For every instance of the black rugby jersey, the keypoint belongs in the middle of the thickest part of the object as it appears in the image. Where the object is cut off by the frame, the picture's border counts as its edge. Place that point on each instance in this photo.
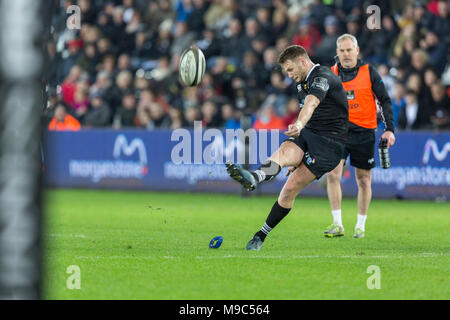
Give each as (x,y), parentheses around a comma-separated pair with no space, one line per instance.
(330,118)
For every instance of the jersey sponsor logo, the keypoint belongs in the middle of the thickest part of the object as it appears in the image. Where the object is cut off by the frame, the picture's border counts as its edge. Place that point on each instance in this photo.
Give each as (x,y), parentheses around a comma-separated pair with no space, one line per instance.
(350,95)
(320,83)
(299,88)
(371,160)
(309,159)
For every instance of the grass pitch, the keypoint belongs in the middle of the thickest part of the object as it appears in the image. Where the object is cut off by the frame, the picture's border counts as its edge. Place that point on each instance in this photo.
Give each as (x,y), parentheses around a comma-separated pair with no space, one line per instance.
(146,245)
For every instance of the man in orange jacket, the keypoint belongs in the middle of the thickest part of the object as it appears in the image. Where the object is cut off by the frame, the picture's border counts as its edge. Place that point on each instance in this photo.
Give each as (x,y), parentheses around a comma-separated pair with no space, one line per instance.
(364,87)
(63,121)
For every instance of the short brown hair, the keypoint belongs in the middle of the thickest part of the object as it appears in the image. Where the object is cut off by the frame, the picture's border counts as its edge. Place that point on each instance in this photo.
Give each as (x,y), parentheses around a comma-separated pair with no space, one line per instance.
(291,53)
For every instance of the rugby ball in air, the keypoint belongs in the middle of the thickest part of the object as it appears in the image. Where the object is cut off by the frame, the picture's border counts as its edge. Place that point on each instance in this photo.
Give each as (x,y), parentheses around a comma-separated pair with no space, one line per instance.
(192,66)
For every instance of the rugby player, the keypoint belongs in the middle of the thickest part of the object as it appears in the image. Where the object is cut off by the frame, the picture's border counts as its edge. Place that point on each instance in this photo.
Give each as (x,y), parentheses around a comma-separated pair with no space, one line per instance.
(316,140)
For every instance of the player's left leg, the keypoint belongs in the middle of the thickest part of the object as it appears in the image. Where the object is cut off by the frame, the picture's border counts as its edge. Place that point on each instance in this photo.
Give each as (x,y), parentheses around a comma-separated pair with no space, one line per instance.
(364,182)
(297,181)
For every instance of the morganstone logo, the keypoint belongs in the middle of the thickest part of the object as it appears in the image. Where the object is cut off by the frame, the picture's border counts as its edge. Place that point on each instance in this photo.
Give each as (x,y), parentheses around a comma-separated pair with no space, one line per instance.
(119,168)
(431,147)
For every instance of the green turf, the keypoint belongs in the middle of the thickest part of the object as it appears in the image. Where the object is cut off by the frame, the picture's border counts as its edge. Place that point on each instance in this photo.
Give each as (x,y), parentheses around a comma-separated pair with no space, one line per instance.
(145,245)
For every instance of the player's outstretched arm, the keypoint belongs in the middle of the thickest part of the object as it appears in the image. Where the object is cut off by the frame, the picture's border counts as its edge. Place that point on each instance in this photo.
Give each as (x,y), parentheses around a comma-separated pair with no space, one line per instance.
(311,103)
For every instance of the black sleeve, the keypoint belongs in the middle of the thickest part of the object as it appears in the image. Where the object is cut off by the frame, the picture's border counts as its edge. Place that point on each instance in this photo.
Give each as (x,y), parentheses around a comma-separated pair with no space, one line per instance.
(380,92)
(320,84)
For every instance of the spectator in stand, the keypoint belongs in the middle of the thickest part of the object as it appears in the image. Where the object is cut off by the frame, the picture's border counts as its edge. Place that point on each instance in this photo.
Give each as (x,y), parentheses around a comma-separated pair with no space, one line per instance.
(440,24)
(259,45)
(440,118)
(252,30)
(183,38)
(398,101)
(143,47)
(210,115)
(163,40)
(270,57)
(353,25)
(292,111)
(146,38)
(318,12)
(108,64)
(233,44)
(307,36)
(123,64)
(88,13)
(387,79)
(62,121)
(419,61)
(436,50)
(251,71)
(101,85)
(114,95)
(152,111)
(412,116)
(74,47)
(279,22)
(378,42)
(278,89)
(281,44)
(294,15)
(323,54)
(88,60)
(80,104)
(195,20)
(69,85)
(104,48)
(192,114)
(407,18)
(209,44)
(126,115)
(132,29)
(219,14)
(263,17)
(267,119)
(157,12)
(404,60)
(99,114)
(227,113)
(177,119)
(422,17)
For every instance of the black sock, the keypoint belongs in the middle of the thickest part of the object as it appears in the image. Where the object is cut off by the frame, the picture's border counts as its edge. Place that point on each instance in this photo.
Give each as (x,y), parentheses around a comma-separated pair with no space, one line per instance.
(267,171)
(275,216)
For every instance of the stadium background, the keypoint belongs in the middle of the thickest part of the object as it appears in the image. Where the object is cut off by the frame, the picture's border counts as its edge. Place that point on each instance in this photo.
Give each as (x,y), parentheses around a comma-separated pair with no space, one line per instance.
(117,76)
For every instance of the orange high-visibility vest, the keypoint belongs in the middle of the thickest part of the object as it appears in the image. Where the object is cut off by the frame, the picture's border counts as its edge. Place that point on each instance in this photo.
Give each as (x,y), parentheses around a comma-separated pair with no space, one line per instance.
(70,124)
(362,107)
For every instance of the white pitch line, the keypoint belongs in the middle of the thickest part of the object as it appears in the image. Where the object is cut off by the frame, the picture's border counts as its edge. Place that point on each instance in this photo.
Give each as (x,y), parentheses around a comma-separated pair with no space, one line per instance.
(252,256)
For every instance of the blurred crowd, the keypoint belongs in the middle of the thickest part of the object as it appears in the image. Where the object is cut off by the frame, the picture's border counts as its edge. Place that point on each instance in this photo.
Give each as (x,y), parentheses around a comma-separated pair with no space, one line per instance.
(120,68)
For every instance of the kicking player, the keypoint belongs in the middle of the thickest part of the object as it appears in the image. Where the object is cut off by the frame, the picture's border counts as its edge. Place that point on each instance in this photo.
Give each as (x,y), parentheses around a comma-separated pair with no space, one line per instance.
(316,140)
(362,84)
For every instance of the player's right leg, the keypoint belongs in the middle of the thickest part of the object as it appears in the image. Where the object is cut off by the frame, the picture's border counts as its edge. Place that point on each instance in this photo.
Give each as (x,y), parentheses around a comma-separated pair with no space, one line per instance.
(297,181)
(334,191)
(287,155)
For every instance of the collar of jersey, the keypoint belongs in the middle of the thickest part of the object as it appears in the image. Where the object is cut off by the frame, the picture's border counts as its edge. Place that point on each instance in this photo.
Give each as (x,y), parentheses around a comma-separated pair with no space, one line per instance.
(307,76)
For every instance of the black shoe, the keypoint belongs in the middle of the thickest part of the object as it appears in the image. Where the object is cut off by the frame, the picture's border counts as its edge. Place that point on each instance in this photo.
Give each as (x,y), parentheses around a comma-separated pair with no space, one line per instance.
(244,177)
(254,244)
